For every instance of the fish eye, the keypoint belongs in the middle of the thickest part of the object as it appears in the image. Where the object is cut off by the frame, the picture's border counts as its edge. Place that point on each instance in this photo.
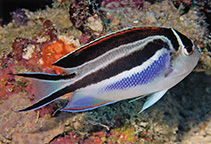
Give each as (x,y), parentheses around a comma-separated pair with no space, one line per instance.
(188,50)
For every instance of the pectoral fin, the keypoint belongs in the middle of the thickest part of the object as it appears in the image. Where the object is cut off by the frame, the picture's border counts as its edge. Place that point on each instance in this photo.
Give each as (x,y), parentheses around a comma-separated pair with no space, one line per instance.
(152,99)
(135,99)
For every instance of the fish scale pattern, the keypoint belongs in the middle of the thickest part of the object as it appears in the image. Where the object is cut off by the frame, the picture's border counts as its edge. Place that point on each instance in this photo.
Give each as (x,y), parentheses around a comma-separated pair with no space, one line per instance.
(141,77)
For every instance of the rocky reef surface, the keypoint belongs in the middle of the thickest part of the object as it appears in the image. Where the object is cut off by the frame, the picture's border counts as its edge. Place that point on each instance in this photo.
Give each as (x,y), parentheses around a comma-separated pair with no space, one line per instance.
(32,41)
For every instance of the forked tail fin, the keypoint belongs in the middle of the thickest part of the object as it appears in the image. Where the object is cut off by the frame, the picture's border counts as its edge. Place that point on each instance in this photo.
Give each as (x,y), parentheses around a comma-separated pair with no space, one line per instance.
(48,87)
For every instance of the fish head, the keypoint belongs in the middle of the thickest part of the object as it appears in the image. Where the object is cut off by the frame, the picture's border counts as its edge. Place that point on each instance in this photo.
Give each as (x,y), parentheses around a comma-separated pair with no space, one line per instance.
(185,58)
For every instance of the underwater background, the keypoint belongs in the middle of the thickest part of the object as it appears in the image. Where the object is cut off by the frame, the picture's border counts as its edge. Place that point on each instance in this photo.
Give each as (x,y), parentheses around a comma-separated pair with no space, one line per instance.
(36,34)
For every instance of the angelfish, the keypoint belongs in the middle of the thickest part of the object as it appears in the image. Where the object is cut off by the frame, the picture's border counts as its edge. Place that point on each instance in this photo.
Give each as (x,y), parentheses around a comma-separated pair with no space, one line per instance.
(130,63)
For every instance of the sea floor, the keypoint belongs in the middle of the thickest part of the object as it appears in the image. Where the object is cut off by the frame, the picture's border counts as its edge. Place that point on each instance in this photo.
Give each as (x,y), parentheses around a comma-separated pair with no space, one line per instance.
(32,41)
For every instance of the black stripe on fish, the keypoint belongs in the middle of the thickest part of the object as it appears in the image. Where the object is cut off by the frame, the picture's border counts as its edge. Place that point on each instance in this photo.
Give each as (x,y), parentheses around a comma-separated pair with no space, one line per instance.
(123,64)
(186,41)
(108,42)
(45,76)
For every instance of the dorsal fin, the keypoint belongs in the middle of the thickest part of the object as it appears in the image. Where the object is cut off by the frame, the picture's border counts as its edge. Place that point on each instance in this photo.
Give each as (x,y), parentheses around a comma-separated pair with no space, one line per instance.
(111,41)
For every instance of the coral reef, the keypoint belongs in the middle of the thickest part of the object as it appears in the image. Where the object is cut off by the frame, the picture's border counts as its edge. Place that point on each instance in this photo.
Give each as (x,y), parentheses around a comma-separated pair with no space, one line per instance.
(53,51)
(19,17)
(25,128)
(32,41)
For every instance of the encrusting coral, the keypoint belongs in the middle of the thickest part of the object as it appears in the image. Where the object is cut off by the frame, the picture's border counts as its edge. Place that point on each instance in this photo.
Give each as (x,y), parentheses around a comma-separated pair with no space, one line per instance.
(35,40)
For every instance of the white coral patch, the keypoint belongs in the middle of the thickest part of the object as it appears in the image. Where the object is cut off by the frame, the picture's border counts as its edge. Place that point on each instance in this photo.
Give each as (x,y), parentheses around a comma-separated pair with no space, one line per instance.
(28,51)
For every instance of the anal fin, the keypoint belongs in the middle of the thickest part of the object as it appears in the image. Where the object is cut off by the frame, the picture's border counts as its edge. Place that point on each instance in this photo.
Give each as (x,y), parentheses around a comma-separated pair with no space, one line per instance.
(80,102)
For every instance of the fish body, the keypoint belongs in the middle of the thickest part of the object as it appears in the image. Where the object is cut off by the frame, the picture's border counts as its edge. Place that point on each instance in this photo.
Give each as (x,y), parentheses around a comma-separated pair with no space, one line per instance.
(131,63)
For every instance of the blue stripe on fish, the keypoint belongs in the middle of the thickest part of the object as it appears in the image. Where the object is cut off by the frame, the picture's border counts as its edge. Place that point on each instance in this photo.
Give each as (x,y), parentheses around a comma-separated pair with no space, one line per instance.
(124,63)
(143,77)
